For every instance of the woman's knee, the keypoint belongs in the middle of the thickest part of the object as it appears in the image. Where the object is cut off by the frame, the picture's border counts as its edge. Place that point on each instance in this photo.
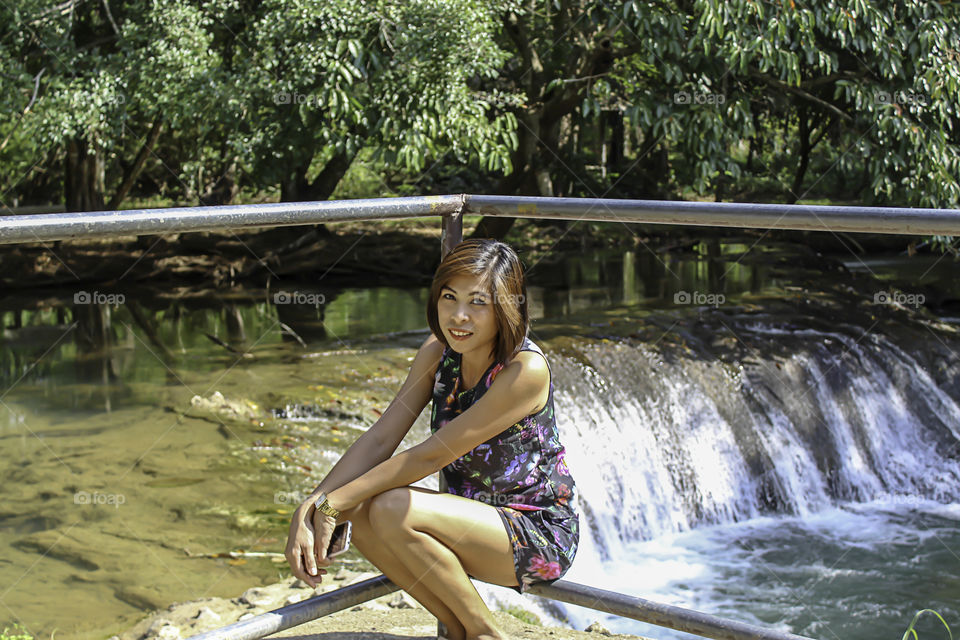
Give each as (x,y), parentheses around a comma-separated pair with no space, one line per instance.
(388,510)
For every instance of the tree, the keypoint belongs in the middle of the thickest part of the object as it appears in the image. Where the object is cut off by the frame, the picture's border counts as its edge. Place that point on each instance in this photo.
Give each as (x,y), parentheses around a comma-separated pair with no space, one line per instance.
(104,82)
(869,85)
(325,79)
(274,90)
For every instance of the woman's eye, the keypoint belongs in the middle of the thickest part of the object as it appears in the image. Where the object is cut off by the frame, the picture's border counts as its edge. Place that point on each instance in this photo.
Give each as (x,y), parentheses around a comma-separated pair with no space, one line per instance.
(479,301)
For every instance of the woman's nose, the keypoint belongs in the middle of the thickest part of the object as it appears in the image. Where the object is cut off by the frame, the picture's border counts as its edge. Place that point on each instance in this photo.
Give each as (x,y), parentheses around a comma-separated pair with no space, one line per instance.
(460,313)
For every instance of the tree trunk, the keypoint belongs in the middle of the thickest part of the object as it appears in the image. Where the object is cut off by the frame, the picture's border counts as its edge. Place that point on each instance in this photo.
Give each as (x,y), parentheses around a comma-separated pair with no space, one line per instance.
(137,166)
(83,177)
(805,146)
(327,180)
(531,171)
(225,189)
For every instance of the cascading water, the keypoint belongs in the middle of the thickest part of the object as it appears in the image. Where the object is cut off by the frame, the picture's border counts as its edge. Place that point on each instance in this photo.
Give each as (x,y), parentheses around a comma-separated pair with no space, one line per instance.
(685,456)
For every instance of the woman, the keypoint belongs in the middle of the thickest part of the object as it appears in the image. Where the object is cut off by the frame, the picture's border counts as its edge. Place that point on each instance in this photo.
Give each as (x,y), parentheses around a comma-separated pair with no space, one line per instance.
(508,518)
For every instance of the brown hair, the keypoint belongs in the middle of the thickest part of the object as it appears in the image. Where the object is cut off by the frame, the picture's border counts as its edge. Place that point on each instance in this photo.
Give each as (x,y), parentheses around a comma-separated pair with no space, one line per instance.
(501,274)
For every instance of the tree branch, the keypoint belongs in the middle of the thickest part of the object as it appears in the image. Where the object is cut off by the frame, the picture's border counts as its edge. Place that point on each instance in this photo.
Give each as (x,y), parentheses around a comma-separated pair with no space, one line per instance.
(797,91)
(137,165)
(106,8)
(23,114)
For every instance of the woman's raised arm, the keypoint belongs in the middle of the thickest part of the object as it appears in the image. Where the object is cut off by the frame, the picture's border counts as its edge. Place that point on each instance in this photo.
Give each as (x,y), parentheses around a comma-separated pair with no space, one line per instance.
(517,391)
(369,450)
(380,441)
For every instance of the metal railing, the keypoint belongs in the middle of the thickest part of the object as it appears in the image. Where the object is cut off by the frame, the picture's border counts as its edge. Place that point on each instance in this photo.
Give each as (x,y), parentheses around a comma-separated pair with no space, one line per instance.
(896,220)
(662,615)
(452,208)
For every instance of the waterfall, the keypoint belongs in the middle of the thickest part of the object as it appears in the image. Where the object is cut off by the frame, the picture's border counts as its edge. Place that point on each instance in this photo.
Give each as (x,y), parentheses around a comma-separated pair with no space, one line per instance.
(665,439)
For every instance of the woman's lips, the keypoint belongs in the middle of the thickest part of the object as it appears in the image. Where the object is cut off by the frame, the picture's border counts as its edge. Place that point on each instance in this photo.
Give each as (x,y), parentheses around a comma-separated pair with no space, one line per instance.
(459,337)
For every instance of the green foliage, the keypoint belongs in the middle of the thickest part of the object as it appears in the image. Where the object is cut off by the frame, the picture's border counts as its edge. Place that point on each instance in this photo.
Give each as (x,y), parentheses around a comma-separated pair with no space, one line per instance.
(272,85)
(524,615)
(860,91)
(19,633)
(776,101)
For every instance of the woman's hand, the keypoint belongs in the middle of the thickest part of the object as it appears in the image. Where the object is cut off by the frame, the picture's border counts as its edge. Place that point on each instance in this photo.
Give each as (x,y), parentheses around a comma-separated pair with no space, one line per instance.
(301,549)
(323,526)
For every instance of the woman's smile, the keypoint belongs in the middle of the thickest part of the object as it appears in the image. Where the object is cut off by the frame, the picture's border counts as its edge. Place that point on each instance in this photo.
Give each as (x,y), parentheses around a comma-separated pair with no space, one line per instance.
(459,334)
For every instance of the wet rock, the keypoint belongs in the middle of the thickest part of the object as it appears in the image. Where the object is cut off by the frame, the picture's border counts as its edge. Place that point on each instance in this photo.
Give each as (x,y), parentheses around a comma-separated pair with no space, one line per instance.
(169,632)
(218,408)
(162,629)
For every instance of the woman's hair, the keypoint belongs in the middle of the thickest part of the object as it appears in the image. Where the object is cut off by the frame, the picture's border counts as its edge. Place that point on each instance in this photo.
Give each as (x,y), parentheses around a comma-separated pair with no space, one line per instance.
(501,275)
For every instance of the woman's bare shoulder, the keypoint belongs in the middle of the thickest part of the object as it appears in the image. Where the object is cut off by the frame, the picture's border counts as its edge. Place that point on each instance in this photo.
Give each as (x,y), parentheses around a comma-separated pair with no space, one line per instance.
(530,366)
(431,350)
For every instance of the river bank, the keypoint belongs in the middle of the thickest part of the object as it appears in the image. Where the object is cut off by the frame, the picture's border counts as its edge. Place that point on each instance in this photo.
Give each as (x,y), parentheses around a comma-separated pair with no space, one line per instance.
(387,252)
(396,616)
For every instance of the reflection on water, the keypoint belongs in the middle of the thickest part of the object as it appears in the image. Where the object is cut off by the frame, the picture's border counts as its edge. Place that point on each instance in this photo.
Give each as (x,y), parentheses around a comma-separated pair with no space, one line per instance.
(79,351)
(122,465)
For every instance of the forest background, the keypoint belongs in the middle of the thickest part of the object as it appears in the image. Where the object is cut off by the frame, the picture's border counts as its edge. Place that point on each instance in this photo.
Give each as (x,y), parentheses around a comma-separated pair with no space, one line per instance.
(119,104)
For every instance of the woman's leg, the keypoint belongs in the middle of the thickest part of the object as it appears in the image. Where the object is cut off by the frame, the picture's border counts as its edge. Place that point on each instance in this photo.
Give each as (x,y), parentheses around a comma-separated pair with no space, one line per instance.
(380,554)
(441,540)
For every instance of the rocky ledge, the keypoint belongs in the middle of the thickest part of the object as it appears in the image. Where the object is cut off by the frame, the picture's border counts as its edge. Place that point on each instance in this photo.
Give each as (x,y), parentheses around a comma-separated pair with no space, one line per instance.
(396,616)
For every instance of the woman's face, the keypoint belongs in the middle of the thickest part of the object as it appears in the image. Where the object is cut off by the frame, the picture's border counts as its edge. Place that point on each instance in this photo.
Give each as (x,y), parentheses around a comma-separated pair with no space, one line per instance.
(465,312)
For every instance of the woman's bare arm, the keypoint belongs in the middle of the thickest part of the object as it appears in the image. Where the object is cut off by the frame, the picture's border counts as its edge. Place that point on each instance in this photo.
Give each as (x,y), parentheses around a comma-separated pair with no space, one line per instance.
(515,393)
(380,441)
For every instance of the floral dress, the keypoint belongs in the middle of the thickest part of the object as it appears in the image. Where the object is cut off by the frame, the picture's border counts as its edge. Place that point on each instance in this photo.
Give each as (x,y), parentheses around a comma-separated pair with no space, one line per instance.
(521,472)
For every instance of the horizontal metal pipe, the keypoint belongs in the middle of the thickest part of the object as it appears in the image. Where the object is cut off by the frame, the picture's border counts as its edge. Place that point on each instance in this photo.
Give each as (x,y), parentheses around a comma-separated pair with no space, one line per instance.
(663,615)
(619,604)
(101,224)
(301,612)
(896,220)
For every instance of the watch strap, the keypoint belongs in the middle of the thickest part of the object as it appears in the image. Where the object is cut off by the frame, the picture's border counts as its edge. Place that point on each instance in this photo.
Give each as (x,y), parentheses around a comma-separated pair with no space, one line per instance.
(323,506)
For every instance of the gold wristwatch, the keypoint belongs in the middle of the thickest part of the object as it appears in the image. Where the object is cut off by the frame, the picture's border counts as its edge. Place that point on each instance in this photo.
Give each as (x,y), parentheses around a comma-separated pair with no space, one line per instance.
(323,506)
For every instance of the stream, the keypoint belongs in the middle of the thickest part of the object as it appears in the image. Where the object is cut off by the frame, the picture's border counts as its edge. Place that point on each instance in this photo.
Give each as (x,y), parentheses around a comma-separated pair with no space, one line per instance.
(756,432)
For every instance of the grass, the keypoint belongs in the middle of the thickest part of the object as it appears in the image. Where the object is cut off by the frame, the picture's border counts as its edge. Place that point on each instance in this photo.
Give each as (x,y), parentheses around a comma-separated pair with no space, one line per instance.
(911,632)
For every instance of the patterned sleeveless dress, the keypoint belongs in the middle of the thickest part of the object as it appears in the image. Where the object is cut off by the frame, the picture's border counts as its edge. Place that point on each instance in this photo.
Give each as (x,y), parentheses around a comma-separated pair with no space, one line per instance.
(521,472)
